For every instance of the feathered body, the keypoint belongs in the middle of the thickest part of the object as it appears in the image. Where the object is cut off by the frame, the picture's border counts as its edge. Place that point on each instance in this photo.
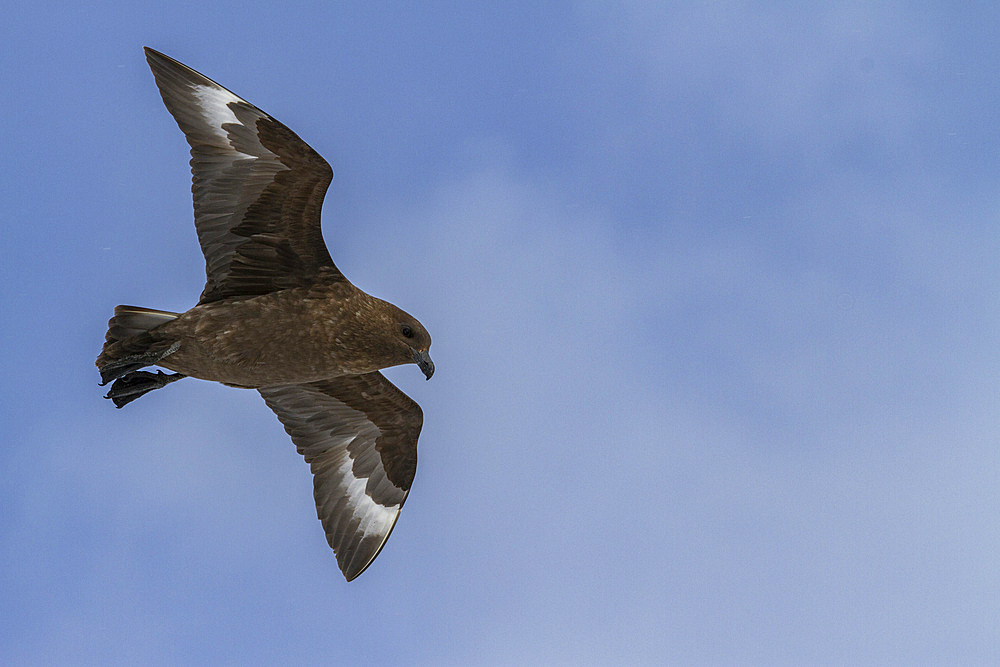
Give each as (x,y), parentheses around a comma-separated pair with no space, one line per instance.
(278,316)
(297,335)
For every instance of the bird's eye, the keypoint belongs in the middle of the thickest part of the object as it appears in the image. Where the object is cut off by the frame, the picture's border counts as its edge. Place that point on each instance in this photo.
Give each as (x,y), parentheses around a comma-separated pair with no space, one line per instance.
(407,331)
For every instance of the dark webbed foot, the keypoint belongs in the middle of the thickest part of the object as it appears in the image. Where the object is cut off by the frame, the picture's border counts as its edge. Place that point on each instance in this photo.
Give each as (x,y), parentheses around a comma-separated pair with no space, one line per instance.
(134,362)
(132,385)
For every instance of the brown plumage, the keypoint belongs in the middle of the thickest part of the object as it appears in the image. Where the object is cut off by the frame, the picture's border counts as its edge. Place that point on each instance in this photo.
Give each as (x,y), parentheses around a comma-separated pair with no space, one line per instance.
(277,315)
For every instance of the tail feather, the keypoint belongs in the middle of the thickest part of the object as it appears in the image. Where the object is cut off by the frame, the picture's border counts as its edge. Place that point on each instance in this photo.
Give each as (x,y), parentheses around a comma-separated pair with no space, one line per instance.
(128,332)
(131,321)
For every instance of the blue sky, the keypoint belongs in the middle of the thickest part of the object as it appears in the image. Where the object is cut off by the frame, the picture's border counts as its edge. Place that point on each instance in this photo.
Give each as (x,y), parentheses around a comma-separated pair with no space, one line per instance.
(714,297)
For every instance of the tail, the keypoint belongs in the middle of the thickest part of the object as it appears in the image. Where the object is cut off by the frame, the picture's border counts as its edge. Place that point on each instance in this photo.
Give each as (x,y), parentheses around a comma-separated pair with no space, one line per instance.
(128,334)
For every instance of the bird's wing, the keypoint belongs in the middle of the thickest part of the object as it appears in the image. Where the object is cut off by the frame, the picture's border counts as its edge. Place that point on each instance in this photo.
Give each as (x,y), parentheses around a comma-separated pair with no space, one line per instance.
(258,188)
(358,433)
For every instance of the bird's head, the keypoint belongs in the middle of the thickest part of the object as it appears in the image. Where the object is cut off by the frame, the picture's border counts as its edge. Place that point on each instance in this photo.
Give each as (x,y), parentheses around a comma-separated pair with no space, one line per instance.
(405,339)
(418,342)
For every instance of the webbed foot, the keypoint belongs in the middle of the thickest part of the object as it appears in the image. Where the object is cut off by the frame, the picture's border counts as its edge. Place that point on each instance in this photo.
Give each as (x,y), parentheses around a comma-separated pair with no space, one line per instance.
(132,385)
(134,362)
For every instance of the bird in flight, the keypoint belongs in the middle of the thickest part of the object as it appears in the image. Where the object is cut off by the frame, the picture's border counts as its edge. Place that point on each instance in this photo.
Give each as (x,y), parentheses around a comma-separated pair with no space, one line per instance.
(276,315)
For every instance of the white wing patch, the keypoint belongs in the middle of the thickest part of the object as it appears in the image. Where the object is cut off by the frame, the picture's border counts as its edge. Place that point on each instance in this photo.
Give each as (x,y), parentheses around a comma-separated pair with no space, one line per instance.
(214,104)
(374,518)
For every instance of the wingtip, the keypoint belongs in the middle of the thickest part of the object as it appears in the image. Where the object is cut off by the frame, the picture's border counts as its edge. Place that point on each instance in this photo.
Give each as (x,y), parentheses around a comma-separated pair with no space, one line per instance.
(353,573)
(152,55)
(353,568)
(350,569)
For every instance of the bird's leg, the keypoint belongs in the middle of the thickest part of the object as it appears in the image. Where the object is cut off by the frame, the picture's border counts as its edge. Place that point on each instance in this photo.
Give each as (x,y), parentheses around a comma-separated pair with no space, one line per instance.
(132,385)
(134,362)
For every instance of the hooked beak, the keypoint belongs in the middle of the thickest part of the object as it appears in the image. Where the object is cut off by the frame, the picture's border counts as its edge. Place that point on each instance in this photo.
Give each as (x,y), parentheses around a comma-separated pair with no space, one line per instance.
(423,359)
